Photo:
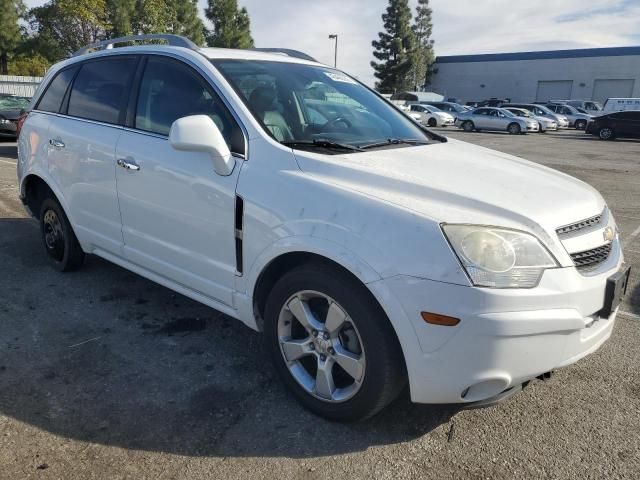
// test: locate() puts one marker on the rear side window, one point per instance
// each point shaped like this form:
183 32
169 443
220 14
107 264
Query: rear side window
52 98
170 90
101 89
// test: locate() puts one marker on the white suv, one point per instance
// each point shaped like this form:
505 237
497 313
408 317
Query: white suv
288 195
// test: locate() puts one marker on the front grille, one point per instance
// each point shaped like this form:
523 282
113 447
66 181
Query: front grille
581 225
591 258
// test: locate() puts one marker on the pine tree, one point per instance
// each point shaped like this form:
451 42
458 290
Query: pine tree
188 22
122 14
231 25
10 13
424 56
395 49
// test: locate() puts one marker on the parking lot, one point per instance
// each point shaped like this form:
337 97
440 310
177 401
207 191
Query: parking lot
104 374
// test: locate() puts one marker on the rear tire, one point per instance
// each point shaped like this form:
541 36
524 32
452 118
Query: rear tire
61 244
468 126
514 129
298 310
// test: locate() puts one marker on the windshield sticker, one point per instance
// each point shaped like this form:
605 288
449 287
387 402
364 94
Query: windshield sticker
339 77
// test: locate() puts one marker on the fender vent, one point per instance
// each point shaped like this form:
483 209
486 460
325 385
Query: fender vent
238 232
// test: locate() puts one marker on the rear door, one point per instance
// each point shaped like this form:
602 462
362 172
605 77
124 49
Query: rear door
82 148
177 213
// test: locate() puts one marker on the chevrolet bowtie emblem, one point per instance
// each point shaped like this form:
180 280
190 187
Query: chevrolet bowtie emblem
608 234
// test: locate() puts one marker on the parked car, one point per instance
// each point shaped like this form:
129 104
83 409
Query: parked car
589 106
576 119
616 125
541 111
284 193
621 104
544 123
498 119
431 116
449 107
10 109
493 102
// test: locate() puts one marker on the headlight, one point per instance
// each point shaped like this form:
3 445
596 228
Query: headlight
498 257
4 120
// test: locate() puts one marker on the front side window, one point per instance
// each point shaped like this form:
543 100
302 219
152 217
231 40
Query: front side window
170 90
51 101
306 106
101 89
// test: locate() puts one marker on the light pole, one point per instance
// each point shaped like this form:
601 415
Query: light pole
335 55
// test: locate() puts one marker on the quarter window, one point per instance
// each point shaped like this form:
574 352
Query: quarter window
170 90
52 98
101 89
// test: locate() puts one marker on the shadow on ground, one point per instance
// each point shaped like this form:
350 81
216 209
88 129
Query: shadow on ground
102 355
8 150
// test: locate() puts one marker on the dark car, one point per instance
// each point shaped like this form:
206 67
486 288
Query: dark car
11 108
494 102
616 125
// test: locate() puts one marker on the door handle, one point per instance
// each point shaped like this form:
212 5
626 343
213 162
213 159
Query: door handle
56 143
128 165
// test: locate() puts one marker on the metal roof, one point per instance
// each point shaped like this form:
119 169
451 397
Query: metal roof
541 55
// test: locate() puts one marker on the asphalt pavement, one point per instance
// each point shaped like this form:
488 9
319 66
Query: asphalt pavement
104 374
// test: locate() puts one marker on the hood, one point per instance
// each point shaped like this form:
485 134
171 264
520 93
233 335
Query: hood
457 182
10 114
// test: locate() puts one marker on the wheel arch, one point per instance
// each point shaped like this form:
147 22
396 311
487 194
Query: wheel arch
34 189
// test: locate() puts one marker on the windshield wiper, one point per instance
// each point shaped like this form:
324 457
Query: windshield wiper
321 144
393 141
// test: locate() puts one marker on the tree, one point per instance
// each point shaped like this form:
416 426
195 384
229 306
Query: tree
67 25
10 12
423 56
32 65
395 49
188 23
122 15
231 26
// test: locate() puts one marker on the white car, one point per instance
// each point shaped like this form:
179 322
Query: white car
431 116
544 123
372 253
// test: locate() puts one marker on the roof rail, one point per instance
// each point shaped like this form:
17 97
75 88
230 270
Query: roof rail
173 40
287 51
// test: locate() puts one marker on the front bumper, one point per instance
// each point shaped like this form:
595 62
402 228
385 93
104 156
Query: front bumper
505 336
8 129
533 127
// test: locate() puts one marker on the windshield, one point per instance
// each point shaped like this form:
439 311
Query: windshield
542 110
432 109
307 106
521 113
14 103
506 112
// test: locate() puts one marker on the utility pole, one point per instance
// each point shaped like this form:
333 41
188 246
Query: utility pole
334 36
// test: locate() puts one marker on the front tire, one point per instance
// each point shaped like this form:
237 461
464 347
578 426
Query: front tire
331 343
468 126
606 133
61 244
514 129
580 124
432 122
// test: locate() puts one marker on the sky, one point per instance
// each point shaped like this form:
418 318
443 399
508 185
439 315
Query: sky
460 26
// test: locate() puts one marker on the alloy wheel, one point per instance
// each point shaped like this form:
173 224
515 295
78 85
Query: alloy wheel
605 133
321 346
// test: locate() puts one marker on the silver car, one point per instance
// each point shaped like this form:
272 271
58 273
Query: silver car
576 119
541 111
491 118
544 123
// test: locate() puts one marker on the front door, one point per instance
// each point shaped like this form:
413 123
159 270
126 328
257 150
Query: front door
177 213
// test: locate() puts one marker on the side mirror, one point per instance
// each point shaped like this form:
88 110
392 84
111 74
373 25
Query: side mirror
199 133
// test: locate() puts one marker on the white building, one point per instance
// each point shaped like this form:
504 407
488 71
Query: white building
585 74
